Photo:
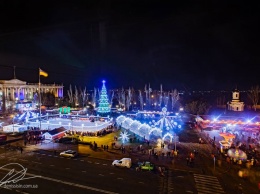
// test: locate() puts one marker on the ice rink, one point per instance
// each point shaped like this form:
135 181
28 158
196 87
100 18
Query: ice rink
75 125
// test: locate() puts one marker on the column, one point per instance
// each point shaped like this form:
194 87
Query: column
57 92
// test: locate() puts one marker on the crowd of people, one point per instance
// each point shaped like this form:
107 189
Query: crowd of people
102 132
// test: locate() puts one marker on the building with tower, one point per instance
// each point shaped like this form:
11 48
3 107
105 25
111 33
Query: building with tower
235 104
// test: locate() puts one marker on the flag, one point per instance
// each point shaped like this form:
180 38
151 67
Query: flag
43 73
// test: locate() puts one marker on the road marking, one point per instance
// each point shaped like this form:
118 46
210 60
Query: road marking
23 160
84 171
101 175
105 164
21 192
65 182
75 159
43 154
49 155
111 173
96 163
37 162
67 168
207 184
141 182
51 165
82 160
89 162
120 178
56 156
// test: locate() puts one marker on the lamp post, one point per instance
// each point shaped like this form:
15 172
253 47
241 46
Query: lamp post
214 160
175 142
13 125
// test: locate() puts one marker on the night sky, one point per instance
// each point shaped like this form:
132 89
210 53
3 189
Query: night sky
194 45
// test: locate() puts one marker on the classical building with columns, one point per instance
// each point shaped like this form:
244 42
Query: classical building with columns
16 91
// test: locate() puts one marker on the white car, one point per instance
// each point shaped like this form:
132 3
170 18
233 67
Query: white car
69 153
124 162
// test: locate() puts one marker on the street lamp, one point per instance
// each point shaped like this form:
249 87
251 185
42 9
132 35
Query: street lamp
13 125
82 127
175 142
214 160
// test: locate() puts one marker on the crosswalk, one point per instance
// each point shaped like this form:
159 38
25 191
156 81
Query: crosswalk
207 184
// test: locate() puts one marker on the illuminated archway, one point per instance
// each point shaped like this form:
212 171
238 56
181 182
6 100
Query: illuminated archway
159 132
166 135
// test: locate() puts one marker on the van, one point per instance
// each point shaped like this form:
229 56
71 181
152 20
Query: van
124 162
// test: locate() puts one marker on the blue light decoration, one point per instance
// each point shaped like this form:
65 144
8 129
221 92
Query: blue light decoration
104 106
124 136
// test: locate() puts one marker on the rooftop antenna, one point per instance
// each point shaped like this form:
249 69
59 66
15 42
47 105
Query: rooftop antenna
14 73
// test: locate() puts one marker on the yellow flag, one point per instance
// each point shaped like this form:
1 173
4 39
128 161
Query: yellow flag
43 73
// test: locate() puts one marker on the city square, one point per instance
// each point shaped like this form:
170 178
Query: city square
123 97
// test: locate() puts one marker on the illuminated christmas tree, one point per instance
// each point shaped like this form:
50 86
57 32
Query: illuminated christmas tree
104 106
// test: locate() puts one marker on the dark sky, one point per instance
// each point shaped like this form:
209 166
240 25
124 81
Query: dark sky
180 44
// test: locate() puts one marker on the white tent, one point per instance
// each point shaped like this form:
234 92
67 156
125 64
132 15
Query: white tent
14 128
26 115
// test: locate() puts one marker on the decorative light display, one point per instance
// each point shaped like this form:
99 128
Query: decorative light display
164 127
124 136
104 106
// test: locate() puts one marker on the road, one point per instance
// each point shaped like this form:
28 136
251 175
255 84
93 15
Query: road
79 175
92 172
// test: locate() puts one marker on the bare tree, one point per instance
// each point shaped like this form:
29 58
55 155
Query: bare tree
197 107
149 95
112 97
175 97
141 100
166 99
253 95
123 101
128 98
83 96
94 98
161 96
70 95
76 96
146 91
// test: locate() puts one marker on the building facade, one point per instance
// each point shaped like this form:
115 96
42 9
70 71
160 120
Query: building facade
15 91
235 104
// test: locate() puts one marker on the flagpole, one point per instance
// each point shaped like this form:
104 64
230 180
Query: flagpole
40 98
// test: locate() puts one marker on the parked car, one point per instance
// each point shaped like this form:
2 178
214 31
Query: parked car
146 166
124 162
69 153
